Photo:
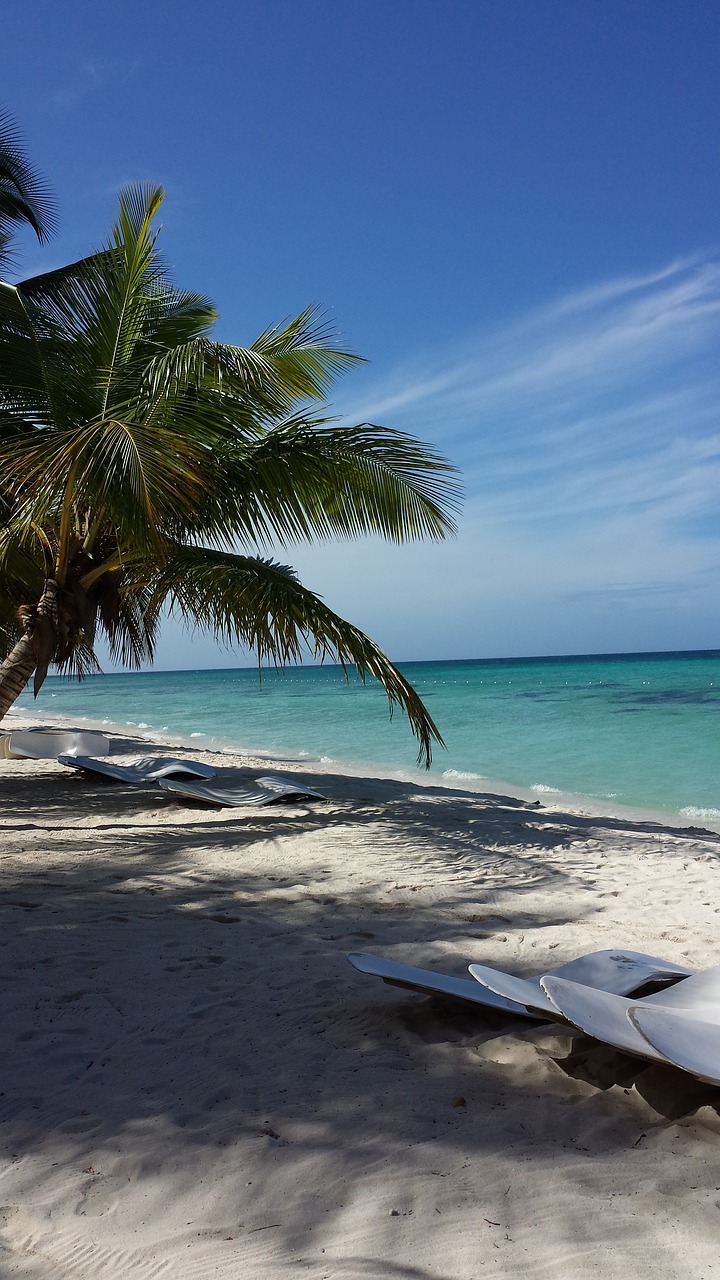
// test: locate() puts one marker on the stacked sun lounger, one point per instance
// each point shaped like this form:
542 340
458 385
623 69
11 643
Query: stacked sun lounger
48 744
638 1003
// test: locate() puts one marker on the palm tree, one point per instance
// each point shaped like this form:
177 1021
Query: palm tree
135 450
23 195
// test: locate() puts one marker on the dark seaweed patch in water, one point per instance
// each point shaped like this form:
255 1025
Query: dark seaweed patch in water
560 694
675 697
546 694
638 698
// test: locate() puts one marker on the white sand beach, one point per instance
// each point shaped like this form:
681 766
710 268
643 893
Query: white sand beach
197 1084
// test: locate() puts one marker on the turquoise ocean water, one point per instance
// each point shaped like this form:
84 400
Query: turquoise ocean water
635 729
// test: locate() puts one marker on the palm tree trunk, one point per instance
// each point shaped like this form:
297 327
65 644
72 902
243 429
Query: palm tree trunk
33 650
15 672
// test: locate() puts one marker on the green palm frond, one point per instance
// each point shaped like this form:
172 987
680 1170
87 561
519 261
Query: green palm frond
261 604
53 293
24 196
126 617
306 477
142 480
282 369
80 663
25 391
22 575
22 564
305 354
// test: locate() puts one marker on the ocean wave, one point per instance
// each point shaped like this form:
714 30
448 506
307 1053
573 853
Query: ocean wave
458 773
540 786
694 811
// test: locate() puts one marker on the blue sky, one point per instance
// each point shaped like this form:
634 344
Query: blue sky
510 208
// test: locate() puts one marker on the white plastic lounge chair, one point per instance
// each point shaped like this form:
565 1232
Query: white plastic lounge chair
688 1039
433 984
619 972
604 1015
48 744
265 790
141 769
282 786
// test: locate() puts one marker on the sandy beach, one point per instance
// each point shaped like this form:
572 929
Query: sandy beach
197 1084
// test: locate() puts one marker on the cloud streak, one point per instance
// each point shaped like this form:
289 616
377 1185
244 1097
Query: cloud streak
605 399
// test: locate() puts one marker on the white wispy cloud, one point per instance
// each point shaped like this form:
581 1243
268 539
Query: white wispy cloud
92 75
606 396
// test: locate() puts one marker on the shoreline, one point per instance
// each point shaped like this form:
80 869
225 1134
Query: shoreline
552 800
593 733
196 1082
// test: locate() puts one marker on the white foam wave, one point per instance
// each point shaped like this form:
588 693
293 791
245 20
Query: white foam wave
458 773
540 786
694 811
